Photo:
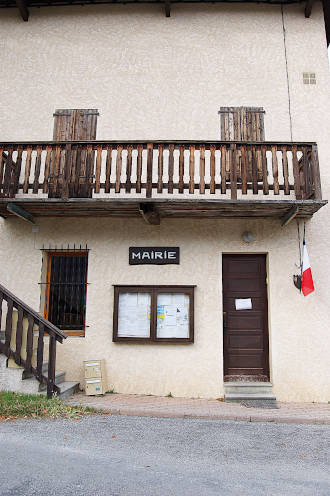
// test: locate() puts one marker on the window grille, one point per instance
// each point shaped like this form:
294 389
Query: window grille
65 302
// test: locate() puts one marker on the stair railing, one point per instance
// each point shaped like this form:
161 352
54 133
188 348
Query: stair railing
17 338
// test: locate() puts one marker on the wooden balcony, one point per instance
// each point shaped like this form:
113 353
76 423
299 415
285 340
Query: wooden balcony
159 179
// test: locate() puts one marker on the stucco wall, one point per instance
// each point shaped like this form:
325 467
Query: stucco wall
158 78
299 336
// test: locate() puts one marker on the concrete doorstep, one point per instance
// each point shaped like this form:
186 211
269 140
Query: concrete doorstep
167 407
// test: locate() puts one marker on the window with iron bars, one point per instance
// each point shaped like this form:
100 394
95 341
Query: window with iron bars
66 287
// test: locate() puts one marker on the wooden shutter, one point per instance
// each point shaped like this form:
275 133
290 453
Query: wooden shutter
75 124
242 123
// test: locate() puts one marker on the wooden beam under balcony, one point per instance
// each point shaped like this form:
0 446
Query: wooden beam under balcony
287 218
166 208
309 7
22 7
149 213
20 212
168 8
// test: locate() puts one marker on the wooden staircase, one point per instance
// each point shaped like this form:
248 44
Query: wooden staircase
28 344
16 379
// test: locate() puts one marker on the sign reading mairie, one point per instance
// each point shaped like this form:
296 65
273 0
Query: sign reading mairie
150 255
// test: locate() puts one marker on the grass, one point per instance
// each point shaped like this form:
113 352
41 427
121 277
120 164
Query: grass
112 391
17 405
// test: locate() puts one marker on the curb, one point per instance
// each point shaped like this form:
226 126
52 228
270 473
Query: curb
235 418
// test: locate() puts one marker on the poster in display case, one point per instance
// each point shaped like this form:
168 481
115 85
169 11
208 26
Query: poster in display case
134 315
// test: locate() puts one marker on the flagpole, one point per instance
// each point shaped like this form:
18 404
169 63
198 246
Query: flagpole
300 255
304 242
307 285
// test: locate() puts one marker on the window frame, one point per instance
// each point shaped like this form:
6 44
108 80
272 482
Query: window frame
153 290
65 253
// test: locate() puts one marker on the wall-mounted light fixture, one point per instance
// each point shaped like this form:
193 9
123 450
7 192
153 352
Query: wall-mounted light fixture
247 237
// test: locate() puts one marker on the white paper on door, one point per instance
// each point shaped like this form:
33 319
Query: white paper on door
243 304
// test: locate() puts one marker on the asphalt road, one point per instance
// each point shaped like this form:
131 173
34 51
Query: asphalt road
117 455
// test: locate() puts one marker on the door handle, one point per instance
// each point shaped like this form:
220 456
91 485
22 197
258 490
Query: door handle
224 320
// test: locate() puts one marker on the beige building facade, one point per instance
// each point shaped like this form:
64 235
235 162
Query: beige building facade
158 78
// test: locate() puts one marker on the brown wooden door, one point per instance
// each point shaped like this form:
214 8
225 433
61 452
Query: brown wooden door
245 331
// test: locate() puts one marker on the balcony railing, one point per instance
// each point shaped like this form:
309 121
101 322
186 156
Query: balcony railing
148 169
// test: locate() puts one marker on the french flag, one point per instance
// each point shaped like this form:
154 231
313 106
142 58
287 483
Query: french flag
307 285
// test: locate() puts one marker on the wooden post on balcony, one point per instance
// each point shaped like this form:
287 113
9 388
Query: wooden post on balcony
223 169
170 168
233 172
54 188
150 148
139 168
98 168
316 174
297 187
128 185
202 169
181 169
7 173
254 170
108 169
37 166
192 169
119 164
160 168
212 169
89 172
47 168
27 169
66 174
18 169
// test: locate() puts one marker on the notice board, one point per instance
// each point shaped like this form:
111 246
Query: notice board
172 315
